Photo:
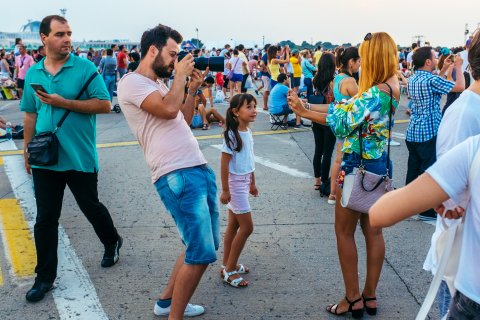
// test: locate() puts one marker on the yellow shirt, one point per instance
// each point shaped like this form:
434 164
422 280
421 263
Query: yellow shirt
274 70
317 55
297 68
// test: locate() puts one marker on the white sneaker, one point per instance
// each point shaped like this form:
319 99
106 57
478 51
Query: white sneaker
191 310
394 143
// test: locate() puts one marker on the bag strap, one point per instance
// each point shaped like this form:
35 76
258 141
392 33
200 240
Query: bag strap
360 130
85 86
437 279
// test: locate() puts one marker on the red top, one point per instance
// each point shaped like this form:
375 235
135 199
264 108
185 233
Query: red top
121 60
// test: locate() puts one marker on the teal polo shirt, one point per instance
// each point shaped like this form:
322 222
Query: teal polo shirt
77 135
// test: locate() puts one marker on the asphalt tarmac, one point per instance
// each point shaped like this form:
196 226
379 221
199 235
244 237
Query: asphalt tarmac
292 254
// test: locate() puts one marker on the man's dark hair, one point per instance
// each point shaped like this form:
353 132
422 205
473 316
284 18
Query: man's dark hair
420 56
196 52
414 45
241 47
227 46
282 77
47 21
120 47
474 56
158 37
113 46
40 48
18 40
109 52
135 56
209 80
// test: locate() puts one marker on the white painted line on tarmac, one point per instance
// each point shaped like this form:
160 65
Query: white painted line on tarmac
276 166
398 135
75 296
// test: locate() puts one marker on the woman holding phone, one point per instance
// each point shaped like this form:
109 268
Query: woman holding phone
369 112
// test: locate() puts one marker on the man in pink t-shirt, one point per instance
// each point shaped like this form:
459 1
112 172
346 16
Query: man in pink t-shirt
23 62
160 120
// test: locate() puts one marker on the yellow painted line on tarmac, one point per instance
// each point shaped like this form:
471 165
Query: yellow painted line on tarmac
134 143
18 238
1 161
402 121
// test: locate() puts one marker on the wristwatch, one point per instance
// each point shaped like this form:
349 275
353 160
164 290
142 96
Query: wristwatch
194 94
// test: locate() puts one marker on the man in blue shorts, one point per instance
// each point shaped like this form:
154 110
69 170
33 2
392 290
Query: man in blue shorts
160 119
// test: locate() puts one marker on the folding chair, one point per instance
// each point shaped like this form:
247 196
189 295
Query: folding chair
278 122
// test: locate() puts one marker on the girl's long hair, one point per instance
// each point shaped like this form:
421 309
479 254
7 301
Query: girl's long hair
231 134
379 61
272 53
326 72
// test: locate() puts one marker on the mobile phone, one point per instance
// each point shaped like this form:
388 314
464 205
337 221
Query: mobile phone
452 57
38 87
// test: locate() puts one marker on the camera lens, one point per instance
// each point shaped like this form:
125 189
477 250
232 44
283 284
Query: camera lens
216 64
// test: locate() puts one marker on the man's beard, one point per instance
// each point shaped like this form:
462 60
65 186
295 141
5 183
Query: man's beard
160 69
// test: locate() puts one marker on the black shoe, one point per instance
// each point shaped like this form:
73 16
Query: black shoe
111 255
38 291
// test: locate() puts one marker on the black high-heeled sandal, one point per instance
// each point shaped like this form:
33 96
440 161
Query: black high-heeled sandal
357 314
370 311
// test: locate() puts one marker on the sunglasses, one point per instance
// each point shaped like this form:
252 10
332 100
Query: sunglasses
368 37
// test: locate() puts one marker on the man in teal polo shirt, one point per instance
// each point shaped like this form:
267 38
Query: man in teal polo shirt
62 76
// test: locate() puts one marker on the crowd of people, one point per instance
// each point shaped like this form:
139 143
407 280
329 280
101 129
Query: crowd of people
351 96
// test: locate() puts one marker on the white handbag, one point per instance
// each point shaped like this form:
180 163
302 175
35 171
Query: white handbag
448 249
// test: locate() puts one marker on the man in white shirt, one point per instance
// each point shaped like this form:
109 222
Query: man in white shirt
160 120
461 121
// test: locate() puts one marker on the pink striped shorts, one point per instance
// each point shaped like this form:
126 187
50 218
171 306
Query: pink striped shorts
239 191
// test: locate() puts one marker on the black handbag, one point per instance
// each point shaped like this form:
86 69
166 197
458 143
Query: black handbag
43 148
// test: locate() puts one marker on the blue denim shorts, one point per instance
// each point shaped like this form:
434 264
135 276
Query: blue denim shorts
190 195
377 166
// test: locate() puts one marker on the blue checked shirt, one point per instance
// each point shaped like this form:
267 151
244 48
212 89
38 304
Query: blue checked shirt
426 90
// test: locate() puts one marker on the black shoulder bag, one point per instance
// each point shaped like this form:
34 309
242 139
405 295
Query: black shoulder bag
43 149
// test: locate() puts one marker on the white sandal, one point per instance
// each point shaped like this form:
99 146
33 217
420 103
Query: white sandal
241 269
235 282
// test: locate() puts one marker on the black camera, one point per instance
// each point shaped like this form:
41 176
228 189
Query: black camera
215 64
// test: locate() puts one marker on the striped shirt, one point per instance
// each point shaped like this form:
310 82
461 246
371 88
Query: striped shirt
426 90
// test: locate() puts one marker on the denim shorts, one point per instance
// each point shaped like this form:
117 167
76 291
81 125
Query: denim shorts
377 166
190 195
463 308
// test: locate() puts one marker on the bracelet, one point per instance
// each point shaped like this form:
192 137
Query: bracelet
308 106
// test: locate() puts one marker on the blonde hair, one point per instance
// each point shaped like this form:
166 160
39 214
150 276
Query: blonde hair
379 57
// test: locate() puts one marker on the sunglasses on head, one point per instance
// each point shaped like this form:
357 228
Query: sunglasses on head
368 37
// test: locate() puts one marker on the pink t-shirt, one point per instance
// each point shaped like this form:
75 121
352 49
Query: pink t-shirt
168 145
23 63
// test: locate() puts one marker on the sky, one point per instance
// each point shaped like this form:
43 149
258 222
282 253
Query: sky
259 21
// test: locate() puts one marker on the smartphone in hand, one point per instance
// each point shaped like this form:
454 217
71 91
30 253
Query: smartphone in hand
38 87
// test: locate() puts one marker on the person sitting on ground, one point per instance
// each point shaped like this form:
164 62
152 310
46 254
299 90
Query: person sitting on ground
204 116
277 100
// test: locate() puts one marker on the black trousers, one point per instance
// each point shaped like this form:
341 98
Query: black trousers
421 155
324 144
49 189
244 82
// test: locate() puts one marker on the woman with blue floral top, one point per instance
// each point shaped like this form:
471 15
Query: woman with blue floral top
369 112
